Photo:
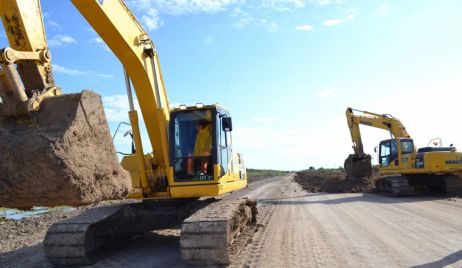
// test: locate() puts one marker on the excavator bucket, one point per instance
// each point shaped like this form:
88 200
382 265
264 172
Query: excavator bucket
358 167
61 155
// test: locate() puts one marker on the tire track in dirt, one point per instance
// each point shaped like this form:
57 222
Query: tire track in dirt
355 230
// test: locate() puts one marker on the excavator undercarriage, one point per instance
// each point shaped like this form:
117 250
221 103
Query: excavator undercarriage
208 229
403 185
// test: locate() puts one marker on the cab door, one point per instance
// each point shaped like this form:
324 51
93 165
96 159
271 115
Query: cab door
223 150
388 155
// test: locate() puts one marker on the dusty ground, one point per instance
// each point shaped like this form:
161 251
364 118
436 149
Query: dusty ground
301 229
315 181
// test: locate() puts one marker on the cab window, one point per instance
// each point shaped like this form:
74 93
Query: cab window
385 152
192 151
407 147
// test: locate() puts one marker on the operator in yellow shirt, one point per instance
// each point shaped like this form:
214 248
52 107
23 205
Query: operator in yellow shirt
203 145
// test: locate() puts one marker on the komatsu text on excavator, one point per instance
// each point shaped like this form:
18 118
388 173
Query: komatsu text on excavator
192 155
435 169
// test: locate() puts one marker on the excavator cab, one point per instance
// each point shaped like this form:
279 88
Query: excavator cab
200 142
388 152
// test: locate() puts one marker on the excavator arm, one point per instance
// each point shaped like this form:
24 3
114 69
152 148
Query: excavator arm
358 165
382 121
26 76
25 67
127 39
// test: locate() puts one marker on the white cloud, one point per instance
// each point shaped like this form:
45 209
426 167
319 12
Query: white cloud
182 7
53 25
74 72
283 5
326 2
243 18
152 10
100 42
116 108
304 27
61 40
383 10
243 22
151 19
333 22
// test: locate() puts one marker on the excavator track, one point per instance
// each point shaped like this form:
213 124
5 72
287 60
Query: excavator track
93 235
209 228
84 239
208 236
394 185
453 184
449 184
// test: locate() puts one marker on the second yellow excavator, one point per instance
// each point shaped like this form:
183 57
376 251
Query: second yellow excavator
407 169
192 154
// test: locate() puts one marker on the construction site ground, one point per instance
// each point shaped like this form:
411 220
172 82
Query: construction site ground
297 229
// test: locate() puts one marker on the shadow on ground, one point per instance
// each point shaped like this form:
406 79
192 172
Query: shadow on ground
448 260
147 250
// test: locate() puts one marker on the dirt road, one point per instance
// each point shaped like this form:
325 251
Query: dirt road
314 230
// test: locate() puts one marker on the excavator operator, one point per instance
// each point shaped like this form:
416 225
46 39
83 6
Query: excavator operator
203 148
203 145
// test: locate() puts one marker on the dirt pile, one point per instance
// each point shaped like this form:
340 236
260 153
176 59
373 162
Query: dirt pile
61 155
334 182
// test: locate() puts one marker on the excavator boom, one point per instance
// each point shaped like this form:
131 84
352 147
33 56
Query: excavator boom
358 165
382 121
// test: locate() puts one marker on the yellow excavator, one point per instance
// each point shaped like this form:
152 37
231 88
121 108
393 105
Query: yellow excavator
184 166
408 169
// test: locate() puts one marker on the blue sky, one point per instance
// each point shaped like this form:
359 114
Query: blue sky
286 69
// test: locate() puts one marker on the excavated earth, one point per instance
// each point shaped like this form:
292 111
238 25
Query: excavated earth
62 155
329 181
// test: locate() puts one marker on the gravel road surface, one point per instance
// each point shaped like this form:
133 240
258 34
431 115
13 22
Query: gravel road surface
300 229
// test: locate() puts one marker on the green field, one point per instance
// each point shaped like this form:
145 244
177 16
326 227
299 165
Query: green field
253 174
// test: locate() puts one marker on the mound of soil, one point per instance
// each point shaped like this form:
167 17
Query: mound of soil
334 182
62 155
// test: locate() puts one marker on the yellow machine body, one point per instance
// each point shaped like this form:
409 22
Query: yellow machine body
430 160
399 155
156 174
153 174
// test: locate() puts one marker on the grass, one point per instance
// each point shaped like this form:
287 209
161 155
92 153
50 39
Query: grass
264 173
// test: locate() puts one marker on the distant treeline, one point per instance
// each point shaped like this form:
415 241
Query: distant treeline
338 169
264 173
375 168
